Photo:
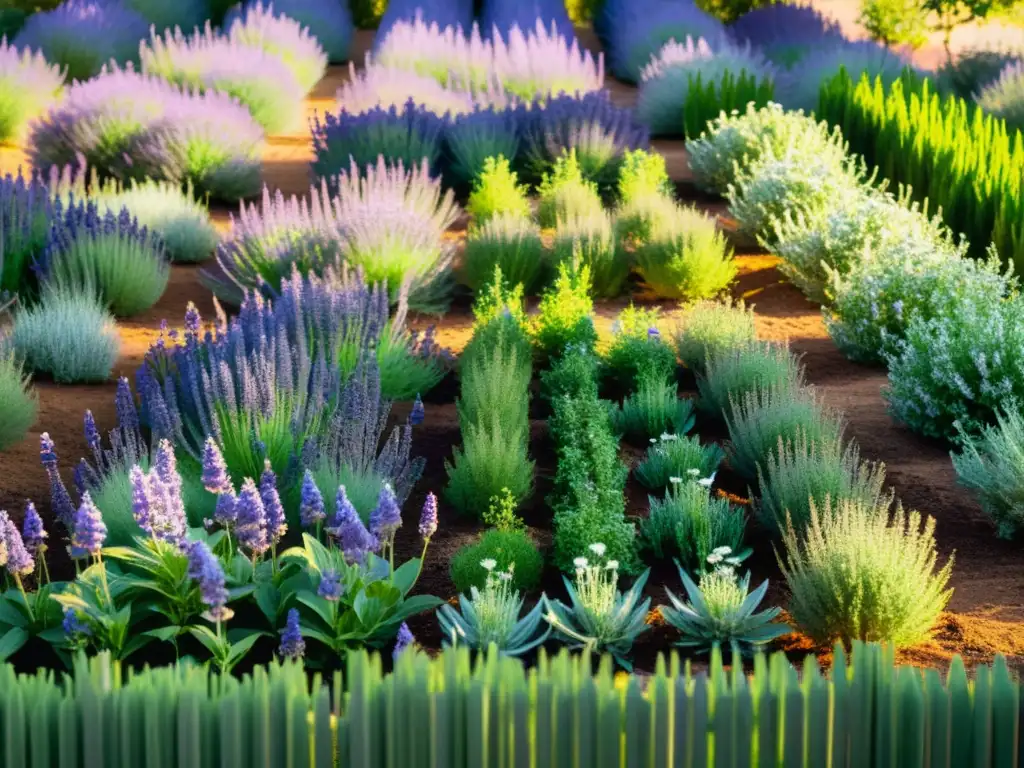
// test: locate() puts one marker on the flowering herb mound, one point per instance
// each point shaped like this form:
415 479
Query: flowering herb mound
125 265
25 211
442 14
28 85
82 36
204 61
785 32
329 21
132 126
1004 97
378 86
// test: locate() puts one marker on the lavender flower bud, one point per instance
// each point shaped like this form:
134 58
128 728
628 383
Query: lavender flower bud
428 517
73 626
346 526
141 507
276 525
330 585
192 320
204 568
418 412
19 561
92 435
403 642
89 531
311 508
386 517
215 469
32 531
251 527
292 644
653 333
60 499
226 512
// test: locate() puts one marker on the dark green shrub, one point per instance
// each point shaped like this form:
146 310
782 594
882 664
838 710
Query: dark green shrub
505 548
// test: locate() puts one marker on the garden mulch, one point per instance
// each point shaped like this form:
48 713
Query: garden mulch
985 615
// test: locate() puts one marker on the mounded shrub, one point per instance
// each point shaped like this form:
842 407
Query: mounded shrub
471 138
731 372
1004 97
642 174
492 457
565 316
509 241
677 457
990 465
689 524
972 69
497 191
708 329
654 409
376 87
28 86
590 240
785 32
19 403
506 548
637 349
565 193
329 21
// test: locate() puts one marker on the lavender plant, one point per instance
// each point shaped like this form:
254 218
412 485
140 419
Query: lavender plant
81 36
24 223
636 349
385 87
204 61
537 59
784 32
691 524
441 49
270 30
439 14
509 242
506 18
470 139
674 457
19 403
329 21
28 86
1004 97
709 328
123 264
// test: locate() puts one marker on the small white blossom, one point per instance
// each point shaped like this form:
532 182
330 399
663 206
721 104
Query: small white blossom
612 565
598 549
489 563
714 559
723 551
707 481
675 480
693 472
580 562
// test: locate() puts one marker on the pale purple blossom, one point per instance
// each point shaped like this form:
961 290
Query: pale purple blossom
204 568
251 526
19 560
32 531
330 586
276 525
403 642
428 517
292 645
89 531
311 507
215 470
386 518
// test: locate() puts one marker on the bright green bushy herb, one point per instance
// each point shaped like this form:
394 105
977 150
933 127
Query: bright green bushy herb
735 142
403 373
642 174
637 219
711 93
501 514
799 472
686 257
720 612
509 241
711 328
731 373
760 418
992 465
499 297
589 239
654 409
492 457
574 374
565 313
960 368
495 384
500 332
67 335
875 302
508 549
673 457
637 348
690 523
857 574
19 403
565 192
598 616
497 190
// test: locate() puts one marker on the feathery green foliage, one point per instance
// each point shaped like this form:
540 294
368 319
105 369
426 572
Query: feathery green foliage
677 457
508 549
18 401
509 241
654 409
493 456
637 349
710 328
565 314
689 523
642 174
565 192
732 372
497 190
589 239
992 465
707 98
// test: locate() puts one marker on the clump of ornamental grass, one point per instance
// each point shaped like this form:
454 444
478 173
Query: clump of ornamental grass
566 193
677 457
329 22
68 335
589 240
600 132
565 315
858 573
686 257
801 471
28 86
19 403
687 84
637 219
407 133
472 138
376 87
269 29
25 212
110 254
205 61
82 36
689 524
512 550
497 191
509 241
637 349
734 371
167 14
598 617
392 223
875 302
990 465
733 143
653 409
411 363
759 419
642 174
710 328
131 126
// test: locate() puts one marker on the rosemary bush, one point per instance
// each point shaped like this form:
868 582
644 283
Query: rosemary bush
730 374
992 466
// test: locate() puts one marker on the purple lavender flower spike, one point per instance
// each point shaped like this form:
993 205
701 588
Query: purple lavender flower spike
226 512
32 531
251 526
60 500
141 502
311 508
192 320
503 17
403 642
347 527
19 559
653 333
330 586
73 626
89 531
386 517
292 644
377 87
215 469
276 525
166 469
428 517
204 568
418 412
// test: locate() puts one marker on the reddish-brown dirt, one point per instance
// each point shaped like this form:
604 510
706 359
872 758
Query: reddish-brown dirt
986 613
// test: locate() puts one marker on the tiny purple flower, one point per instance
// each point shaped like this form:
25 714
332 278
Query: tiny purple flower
403 642
204 568
292 644
428 517
276 525
32 531
141 507
73 626
311 508
89 531
60 499
192 320
418 412
653 333
92 435
19 561
330 586
386 517
215 469
251 527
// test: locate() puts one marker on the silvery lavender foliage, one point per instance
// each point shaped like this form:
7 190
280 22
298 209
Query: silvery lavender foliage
329 21
292 644
440 13
204 568
785 32
504 17
19 560
599 131
60 499
799 87
82 36
408 134
471 138
632 31
28 85
88 531
205 61
436 50
380 86
24 223
126 125
540 59
1004 97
